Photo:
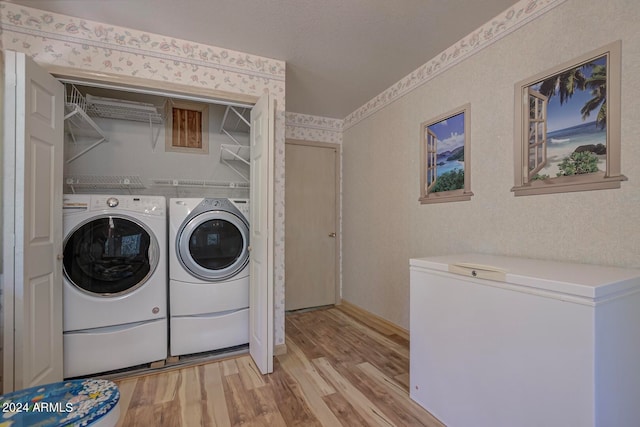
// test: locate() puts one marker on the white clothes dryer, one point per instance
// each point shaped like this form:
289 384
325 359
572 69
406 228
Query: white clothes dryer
209 274
115 282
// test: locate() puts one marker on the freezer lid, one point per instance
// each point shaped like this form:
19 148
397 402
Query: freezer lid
582 280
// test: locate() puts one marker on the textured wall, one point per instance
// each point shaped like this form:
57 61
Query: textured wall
385 226
55 40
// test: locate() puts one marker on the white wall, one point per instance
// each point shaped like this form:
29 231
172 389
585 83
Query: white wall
129 151
384 224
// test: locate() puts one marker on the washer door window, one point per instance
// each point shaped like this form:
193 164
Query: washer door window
214 245
110 255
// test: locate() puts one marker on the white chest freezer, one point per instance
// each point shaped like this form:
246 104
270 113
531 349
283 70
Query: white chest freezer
512 342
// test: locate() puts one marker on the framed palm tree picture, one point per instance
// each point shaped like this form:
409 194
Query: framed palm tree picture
567 126
444 158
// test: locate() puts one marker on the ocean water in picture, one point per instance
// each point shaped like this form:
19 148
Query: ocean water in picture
445 166
575 103
449 147
561 143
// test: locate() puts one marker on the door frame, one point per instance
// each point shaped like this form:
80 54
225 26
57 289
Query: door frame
338 203
6 235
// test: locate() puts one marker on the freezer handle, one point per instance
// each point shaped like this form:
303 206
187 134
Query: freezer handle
478 271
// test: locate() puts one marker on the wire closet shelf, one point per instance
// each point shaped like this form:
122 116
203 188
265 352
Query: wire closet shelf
80 111
95 182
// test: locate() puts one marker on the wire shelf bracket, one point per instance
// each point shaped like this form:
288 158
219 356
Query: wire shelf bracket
76 116
236 155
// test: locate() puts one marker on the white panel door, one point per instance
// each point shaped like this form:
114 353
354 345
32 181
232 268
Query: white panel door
32 209
261 240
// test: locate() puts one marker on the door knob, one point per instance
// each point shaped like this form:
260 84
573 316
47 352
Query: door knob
332 234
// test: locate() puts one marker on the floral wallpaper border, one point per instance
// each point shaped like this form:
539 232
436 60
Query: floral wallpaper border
313 128
513 18
37 23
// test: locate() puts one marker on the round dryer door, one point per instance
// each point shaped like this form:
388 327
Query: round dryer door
214 245
110 255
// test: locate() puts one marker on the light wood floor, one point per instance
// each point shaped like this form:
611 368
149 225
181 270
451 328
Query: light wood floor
337 372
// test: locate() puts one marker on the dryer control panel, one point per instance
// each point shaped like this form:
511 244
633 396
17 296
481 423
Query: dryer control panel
242 205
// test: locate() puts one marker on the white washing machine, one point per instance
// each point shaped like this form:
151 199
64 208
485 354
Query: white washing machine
209 274
115 282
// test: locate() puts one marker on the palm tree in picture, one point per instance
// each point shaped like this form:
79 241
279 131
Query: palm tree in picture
597 82
564 84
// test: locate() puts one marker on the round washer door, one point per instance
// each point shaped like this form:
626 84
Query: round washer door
214 245
110 255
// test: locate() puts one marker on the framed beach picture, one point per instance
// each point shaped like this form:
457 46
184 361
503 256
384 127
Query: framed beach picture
567 126
445 174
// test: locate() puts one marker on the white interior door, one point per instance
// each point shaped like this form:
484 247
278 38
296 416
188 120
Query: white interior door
261 234
32 222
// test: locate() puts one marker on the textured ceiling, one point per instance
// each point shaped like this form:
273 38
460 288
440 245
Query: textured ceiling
339 53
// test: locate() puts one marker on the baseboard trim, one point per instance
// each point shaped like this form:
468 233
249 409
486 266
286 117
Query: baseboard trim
280 349
381 325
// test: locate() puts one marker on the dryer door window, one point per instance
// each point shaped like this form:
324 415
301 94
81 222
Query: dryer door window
214 246
110 255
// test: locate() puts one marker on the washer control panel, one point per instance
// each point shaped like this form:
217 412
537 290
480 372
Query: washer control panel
150 205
